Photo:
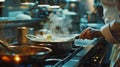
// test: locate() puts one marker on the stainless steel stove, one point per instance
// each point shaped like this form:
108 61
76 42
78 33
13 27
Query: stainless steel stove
79 52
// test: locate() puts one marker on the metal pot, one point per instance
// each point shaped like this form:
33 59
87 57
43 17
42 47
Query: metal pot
25 54
57 46
63 43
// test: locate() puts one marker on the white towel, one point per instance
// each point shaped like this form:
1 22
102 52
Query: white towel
115 54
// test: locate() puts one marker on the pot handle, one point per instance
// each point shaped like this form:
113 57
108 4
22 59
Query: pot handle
46 45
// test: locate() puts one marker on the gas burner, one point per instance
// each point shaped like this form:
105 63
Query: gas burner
50 61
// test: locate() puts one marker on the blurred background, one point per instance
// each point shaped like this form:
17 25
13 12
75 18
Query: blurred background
58 16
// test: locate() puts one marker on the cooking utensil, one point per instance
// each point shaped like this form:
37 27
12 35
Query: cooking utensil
57 47
25 54
65 43
5 45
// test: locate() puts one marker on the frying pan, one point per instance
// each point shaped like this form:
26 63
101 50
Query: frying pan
24 54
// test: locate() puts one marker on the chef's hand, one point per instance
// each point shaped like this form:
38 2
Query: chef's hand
90 33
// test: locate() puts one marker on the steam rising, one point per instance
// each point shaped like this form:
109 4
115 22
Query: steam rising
59 22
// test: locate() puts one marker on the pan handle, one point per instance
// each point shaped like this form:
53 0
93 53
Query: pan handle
5 45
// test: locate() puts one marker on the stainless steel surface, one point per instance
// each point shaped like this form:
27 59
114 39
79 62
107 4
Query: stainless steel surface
62 43
73 62
57 46
76 59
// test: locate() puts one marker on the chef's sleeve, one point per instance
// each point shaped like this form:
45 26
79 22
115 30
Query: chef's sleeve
111 32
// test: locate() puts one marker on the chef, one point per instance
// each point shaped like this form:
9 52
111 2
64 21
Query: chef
110 31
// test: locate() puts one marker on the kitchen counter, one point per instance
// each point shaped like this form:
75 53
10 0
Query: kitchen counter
87 44
90 55
85 57
96 56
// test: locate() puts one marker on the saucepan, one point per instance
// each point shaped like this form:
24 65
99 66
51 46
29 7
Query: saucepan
24 54
58 47
61 43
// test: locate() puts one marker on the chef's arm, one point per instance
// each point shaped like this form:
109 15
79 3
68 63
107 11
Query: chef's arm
111 32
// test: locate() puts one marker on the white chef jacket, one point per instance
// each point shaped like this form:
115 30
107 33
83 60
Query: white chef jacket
111 30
